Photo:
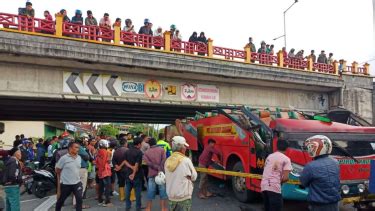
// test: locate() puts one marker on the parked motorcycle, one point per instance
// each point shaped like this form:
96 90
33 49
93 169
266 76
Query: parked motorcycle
28 176
44 180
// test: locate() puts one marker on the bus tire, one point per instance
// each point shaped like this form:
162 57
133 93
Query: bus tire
239 186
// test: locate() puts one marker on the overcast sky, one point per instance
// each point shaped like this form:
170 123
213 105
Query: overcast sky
343 27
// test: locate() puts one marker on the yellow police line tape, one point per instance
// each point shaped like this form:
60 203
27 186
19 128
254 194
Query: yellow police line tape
239 174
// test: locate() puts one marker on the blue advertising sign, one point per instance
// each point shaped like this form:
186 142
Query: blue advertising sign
131 87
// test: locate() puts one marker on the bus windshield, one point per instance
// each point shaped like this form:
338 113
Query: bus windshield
354 144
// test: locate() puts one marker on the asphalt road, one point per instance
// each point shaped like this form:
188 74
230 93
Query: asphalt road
223 202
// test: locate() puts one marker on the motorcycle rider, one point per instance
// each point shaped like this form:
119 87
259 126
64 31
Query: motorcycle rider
63 150
322 175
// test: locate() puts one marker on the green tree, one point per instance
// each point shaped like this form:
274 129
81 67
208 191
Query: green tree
108 130
137 128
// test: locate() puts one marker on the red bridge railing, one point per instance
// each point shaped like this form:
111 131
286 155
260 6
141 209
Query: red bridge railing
87 32
24 23
189 47
263 58
99 34
228 53
141 40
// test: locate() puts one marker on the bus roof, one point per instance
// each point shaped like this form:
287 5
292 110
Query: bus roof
294 125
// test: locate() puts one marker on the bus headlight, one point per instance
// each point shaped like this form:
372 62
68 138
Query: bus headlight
345 189
297 170
361 188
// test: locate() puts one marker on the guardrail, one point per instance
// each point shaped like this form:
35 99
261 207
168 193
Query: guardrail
167 44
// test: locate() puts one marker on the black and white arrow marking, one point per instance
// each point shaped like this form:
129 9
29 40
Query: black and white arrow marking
71 82
91 84
110 84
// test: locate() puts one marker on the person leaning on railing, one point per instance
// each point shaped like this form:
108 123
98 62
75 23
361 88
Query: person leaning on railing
27 11
146 29
105 23
117 23
312 56
129 28
322 58
177 37
299 56
158 33
202 39
90 20
291 57
262 50
66 19
78 20
330 59
193 39
47 15
172 29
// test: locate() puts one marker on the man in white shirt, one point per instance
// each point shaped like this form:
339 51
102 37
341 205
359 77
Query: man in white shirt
179 175
105 22
68 179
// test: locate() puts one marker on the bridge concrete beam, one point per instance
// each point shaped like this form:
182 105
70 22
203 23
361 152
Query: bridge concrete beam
32 66
152 62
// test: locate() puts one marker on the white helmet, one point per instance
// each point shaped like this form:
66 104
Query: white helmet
318 145
103 143
84 135
160 178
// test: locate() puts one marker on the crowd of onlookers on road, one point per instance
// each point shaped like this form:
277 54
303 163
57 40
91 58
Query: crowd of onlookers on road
137 162
142 163
147 29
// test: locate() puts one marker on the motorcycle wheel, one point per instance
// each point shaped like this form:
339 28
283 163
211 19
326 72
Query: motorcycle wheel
38 191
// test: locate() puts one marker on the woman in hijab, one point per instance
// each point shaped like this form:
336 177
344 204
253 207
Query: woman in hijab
202 39
192 40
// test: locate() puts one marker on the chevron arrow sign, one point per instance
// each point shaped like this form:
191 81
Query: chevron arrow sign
92 84
111 85
72 83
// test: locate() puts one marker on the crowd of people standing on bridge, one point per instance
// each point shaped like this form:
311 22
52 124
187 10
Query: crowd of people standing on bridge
107 23
268 49
147 29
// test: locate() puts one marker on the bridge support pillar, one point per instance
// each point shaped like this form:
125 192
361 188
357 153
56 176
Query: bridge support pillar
210 48
335 67
117 35
355 67
310 64
280 60
59 24
167 41
247 54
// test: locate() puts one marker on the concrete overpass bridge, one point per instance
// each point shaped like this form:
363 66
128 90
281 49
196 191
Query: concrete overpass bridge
57 77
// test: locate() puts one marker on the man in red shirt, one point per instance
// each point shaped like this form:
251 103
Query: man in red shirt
205 160
104 173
